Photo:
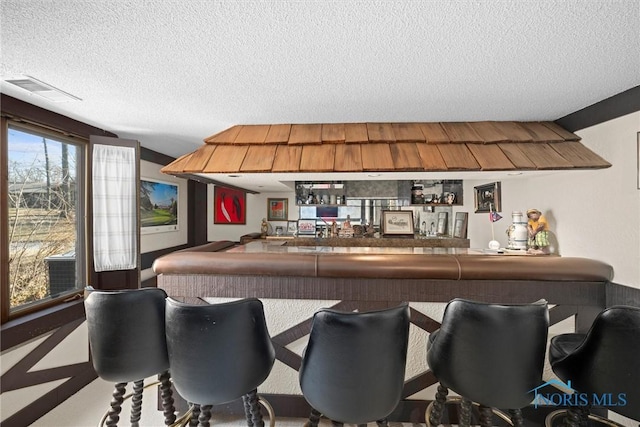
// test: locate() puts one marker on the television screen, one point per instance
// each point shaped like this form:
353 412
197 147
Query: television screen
327 211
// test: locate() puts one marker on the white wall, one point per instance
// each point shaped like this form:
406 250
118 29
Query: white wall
593 214
256 210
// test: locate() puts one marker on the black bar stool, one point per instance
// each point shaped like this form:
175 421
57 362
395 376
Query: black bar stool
353 366
127 342
219 353
603 364
490 354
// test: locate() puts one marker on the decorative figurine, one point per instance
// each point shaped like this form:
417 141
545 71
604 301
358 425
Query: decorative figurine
264 228
538 228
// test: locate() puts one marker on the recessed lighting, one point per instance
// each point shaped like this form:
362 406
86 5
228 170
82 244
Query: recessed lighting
374 175
514 173
234 176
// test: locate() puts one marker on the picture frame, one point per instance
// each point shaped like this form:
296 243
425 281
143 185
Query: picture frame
277 209
397 223
307 227
229 206
441 228
488 197
460 225
292 227
158 206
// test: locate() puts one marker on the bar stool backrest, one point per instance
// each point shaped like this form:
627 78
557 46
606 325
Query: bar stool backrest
126 333
492 354
354 364
218 352
608 360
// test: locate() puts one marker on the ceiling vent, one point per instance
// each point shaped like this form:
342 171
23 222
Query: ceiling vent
42 89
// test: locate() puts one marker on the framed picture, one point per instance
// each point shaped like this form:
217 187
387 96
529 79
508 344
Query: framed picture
488 198
397 223
441 229
292 227
307 226
158 206
277 209
229 206
460 225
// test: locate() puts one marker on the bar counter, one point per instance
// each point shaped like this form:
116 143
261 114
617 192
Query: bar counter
295 281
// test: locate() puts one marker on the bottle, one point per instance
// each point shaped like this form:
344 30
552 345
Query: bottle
517 231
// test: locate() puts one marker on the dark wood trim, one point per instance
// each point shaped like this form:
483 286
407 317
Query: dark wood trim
5 305
25 328
155 157
619 105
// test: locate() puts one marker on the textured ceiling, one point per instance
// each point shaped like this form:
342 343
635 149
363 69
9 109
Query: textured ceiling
171 73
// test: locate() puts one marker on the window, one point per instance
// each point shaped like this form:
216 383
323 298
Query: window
46 210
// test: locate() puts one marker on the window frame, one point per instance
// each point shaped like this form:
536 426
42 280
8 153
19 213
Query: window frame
81 227
82 144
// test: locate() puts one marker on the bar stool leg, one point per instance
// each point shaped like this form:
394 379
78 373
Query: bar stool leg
383 422
205 415
336 424
465 413
166 394
247 410
486 416
314 418
136 403
254 408
195 414
516 417
116 405
438 405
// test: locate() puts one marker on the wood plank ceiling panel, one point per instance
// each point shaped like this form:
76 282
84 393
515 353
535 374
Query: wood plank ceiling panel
516 156
252 134
376 157
227 136
333 133
199 158
434 133
287 158
540 132
278 134
568 136
407 132
515 132
406 156
348 158
431 158
458 157
305 134
488 132
490 157
579 155
318 158
380 132
355 133
543 156
177 166
226 159
461 132
259 158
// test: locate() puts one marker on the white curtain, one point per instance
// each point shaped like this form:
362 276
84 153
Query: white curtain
114 207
